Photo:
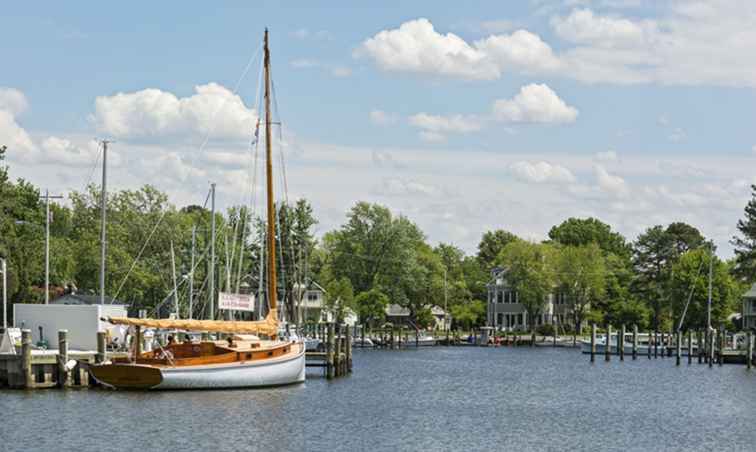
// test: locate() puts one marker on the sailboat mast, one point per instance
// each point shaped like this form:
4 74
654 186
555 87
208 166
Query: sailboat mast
272 291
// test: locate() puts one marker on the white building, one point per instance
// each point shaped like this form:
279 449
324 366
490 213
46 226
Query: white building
504 311
749 309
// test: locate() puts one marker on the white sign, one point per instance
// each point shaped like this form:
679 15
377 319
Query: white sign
236 302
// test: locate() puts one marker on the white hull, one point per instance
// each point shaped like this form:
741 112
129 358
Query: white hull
273 372
423 342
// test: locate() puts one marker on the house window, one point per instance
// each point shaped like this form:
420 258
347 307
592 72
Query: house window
499 297
499 318
312 296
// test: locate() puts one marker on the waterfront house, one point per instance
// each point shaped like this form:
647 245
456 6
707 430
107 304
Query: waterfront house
749 309
398 315
504 311
312 306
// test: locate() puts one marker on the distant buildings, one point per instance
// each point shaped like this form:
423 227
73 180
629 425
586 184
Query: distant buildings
749 309
397 315
504 311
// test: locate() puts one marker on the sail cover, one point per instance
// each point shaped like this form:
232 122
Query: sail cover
267 326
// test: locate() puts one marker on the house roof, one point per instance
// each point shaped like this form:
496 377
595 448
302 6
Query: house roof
81 299
751 293
394 310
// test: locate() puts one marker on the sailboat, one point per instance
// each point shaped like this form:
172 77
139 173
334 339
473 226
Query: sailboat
243 360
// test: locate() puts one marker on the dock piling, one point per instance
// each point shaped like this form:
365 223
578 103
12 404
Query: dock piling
593 342
678 348
608 346
26 352
621 343
101 346
749 350
329 350
63 374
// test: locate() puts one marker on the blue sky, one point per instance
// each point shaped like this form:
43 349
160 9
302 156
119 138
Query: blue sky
510 114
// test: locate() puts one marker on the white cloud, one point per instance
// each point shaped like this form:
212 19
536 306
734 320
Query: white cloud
385 159
521 50
381 118
12 101
583 26
416 47
607 156
753 149
541 172
153 113
687 43
301 63
534 103
609 182
64 152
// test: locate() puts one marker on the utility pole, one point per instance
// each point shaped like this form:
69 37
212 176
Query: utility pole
47 244
212 251
4 269
103 208
191 273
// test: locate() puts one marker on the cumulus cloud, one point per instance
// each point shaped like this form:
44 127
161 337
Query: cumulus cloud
688 43
153 113
583 26
417 47
534 103
541 172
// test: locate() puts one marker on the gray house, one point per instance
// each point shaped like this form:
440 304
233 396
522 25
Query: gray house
506 312
749 309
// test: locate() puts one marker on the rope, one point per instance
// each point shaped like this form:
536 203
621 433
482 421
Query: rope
144 246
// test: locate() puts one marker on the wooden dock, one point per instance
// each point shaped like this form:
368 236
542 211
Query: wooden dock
336 360
33 369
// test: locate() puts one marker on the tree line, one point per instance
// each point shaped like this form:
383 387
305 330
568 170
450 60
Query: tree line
375 258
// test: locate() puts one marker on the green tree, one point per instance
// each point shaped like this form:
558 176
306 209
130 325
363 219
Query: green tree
654 254
490 246
582 231
371 306
690 278
339 297
529 271
470 314
581 273
745 244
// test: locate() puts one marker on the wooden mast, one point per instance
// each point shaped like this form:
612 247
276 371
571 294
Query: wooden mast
272 291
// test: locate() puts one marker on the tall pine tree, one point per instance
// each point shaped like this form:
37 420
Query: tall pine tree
745 246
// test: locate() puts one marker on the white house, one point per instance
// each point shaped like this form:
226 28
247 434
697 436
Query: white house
504 311
749 309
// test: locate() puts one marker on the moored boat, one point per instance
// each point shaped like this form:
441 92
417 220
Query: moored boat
240 361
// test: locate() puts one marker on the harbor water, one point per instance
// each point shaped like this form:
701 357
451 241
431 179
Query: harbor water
434 398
